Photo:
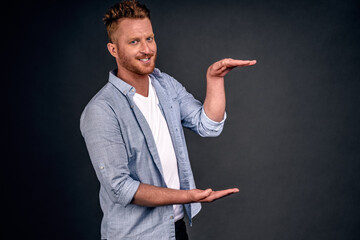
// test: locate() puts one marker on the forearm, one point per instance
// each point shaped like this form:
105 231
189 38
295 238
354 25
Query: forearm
214 104
215 101
152 196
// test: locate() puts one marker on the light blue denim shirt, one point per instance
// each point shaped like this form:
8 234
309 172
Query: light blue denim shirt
123 153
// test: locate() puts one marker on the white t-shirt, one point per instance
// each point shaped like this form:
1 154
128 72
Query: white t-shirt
149 107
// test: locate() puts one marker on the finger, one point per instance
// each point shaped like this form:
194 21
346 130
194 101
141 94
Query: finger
224 193
227 63
230 190
239 63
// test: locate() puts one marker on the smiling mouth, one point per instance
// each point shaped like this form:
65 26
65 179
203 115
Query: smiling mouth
144 59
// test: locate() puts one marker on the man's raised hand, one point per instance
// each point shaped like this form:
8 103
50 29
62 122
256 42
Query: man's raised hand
220 68
208 195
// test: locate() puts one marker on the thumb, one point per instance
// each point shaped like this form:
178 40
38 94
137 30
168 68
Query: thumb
206 193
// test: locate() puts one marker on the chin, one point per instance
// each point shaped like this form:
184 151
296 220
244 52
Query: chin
146 70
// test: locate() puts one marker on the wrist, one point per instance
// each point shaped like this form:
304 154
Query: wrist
214 79
187 196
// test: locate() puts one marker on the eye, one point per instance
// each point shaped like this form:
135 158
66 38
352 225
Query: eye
150 39
133 42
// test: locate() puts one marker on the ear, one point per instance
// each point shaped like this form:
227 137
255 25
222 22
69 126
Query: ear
112 49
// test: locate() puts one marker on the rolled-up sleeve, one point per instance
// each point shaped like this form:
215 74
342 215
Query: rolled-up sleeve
193 115
102 135
211 126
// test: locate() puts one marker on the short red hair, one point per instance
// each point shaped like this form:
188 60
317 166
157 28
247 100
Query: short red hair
124 9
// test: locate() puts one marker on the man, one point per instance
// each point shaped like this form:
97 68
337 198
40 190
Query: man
133 131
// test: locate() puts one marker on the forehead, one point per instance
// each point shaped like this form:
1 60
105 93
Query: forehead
134 27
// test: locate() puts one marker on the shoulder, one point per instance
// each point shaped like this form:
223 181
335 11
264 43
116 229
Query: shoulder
104 96
164 79
105 101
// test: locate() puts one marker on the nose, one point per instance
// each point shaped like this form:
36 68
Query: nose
145 48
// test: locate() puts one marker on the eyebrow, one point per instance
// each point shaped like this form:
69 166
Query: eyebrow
138 38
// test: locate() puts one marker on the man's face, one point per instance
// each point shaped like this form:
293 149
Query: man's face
136 47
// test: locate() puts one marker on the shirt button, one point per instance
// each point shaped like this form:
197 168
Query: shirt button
101 167
133 90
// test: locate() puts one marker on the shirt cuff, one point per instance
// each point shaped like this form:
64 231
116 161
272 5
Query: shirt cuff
211 123
129 192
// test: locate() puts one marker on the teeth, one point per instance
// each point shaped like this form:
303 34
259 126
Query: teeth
144 59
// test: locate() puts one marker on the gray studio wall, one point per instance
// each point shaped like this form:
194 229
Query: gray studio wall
290 142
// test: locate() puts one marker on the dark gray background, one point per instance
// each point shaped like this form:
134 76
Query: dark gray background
290 143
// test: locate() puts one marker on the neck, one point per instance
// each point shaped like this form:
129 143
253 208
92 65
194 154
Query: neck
139 82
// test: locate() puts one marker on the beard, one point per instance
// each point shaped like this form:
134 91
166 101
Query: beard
134 65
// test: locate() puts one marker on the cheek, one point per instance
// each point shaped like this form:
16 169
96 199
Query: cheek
126 53
154 47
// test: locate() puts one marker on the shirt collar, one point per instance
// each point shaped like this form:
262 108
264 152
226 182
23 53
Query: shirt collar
124 87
